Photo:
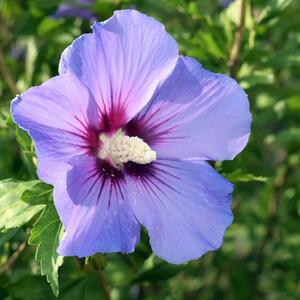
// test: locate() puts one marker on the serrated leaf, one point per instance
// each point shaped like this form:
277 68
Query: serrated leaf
15 212
45 235
238 176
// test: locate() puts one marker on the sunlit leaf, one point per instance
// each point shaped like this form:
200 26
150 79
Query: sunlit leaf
13 211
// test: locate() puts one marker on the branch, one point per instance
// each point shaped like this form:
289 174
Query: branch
7 76
103 285
13 258
235 51
273 206
5 72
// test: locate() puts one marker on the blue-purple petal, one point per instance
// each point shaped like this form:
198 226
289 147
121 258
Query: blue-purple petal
60 116
94 210
122 62
186 207
196 114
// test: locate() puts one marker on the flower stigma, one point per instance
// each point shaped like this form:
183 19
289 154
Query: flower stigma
120 148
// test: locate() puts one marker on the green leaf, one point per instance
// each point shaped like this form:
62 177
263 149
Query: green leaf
3 119
289 136
45 235
30 287
41 193
86 288
238 176
26 145
13 211
6 236
48 25
19 202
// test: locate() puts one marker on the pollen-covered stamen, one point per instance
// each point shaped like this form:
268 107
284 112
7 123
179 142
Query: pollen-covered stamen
121 148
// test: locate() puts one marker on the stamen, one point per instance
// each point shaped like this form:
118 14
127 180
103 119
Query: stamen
121 148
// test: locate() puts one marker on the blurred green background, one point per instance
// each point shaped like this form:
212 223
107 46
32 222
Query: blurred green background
258 43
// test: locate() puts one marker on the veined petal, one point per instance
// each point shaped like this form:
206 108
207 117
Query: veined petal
226 106
122 62
60 116
185 205
196 114
94 209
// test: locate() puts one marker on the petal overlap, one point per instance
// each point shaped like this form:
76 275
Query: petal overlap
196 114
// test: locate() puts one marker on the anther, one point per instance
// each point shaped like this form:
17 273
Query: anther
120 149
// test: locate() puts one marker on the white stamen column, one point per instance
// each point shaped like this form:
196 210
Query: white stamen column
121 148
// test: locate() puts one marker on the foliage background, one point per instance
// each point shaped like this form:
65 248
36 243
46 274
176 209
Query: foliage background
260 257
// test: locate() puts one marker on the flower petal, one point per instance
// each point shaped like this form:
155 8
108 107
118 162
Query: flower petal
94 210
186 207
200 115
122 62
60 116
